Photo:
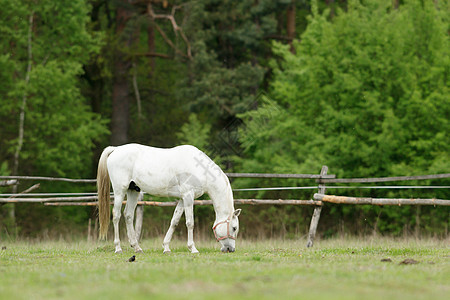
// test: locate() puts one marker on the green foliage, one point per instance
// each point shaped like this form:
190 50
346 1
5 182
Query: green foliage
52 38
59 128
195 133
362 94
229 58
366 94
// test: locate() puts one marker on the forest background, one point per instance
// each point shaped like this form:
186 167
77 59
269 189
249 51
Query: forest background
261 86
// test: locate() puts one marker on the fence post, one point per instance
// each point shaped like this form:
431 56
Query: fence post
139 217
316 215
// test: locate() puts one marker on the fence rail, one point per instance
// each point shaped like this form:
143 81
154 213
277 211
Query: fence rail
379 201
285 176
200 202
8 182
384 179
234 175
319 199
43 178
50 199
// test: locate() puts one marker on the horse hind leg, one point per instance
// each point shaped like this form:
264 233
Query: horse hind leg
118 198
173 224
132 197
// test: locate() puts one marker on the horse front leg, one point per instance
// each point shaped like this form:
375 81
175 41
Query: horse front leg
179 209
188 201
118 198
132 197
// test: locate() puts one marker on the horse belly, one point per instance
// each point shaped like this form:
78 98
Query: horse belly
171 188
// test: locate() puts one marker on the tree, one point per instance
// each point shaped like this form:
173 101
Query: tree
366 94
121 83
47 125
59 127
369 86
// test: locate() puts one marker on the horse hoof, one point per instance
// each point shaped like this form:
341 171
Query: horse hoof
195 251
118 251
167 252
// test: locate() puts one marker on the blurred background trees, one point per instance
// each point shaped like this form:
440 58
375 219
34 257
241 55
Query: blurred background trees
261 86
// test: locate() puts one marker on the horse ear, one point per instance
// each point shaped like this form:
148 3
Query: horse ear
237 212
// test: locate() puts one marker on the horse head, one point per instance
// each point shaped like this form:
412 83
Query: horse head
226 232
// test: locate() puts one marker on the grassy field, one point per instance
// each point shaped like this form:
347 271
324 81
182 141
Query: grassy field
333 269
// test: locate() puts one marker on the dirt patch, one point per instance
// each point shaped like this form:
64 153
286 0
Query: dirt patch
408 261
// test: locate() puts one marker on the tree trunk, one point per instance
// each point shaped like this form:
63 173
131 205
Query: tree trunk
24 102
395 3
330 4
15 171
290 24
121 85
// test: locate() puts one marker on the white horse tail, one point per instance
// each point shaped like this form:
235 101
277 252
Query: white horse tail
103 189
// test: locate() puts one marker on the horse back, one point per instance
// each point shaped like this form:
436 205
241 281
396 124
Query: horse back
158 170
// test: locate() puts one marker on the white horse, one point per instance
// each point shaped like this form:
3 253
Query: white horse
183 172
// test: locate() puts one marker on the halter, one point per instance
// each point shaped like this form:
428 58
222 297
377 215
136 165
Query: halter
228 236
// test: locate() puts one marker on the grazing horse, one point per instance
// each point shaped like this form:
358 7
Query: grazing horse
184 172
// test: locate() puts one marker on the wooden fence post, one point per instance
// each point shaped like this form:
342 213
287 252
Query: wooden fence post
316 215
139 217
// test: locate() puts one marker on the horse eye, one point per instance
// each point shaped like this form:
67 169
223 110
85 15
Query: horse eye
234 228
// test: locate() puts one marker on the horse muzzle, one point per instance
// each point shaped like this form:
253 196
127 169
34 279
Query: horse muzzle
226 249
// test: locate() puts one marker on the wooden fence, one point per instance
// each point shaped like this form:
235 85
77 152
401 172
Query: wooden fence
319 199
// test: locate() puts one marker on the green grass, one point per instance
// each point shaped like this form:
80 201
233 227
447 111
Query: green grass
337 269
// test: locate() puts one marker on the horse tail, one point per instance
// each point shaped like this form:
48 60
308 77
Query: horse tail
103 190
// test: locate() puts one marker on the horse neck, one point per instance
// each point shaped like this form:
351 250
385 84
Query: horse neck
222 197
